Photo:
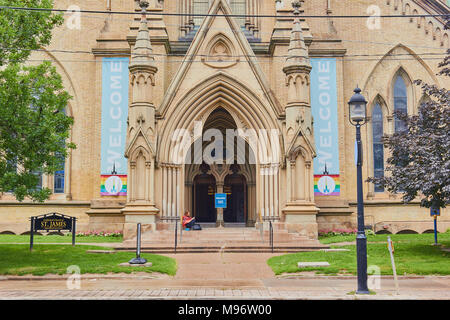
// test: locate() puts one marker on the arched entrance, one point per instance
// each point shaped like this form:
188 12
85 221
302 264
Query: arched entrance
220 101
221 168
204 188
235 186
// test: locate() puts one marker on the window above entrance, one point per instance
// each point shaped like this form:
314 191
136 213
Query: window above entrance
189 25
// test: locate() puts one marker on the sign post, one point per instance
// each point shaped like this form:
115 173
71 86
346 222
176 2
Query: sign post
73 231
391 252
31 233
52 222
435 212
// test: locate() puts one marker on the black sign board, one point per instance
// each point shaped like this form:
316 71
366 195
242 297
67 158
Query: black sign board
52 222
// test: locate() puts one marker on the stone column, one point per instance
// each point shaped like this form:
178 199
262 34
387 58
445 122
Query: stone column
260 190
276 178
169 191
178 192
133 180
271 193
310 186
188 197
292 179
219 221
152 182
251 203
148 168
164 189
266 192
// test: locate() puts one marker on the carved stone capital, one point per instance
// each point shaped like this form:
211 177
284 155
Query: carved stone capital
292 163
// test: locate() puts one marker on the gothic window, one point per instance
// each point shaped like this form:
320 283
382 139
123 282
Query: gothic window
202 7
189 24
39 184
377 137
11 164
199 7
239 7
400 101
59 177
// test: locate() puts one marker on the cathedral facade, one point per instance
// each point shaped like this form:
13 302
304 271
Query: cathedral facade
181 102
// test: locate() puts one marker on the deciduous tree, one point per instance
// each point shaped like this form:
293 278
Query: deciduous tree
419 162
34 128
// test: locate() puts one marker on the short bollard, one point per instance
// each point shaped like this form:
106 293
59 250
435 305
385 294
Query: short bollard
394 271
138 259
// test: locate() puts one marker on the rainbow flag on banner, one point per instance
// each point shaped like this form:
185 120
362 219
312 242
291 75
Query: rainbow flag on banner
114 185
327 185
113 164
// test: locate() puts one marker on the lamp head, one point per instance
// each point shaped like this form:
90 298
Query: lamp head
357 108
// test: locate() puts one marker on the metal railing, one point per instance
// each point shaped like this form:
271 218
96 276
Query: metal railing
271 237
177 220
271 234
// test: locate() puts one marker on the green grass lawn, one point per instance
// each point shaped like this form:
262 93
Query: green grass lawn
16 259
11 238
383 237
414 254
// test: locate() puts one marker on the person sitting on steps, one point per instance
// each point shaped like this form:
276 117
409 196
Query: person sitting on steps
188 221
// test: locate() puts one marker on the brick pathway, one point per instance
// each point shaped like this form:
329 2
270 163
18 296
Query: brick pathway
219 294
216 276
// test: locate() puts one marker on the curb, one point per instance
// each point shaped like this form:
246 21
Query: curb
234 298
163 276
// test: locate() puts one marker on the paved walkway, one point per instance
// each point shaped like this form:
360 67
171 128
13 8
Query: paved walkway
217 276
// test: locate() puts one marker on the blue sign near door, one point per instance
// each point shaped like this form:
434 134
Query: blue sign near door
220 200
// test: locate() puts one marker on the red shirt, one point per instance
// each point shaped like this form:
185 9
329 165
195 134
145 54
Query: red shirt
186 220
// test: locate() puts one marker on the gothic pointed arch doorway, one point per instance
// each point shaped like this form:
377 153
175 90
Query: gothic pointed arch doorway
235 186
221 167
204 188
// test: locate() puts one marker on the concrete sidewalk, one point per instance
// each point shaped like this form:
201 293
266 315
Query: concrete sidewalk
218 276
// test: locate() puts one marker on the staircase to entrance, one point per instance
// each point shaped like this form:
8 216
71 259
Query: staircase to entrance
221 239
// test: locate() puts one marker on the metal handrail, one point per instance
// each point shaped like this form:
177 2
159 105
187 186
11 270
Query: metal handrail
271 234
177 220
271 219
176 236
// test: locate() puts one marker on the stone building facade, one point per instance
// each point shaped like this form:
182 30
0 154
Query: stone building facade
271 86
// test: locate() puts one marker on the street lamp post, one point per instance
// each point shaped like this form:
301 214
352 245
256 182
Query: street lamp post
358 117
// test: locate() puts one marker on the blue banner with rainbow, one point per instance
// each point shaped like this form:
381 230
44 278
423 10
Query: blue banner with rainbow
324 106
114 126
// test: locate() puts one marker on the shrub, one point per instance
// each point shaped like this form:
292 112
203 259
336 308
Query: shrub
94 233
336 232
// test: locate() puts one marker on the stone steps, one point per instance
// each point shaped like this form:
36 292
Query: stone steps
221 243
234 247
222 240
223 234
